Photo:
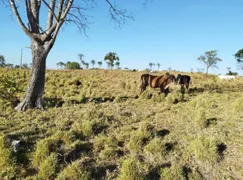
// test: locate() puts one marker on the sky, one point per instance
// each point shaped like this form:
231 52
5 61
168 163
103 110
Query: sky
173 33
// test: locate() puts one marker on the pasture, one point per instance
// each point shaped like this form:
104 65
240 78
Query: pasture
97 126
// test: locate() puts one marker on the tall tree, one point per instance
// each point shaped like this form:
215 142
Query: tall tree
111 57
81 56
99 63
210 59
239 58
43 39
93 63
2 61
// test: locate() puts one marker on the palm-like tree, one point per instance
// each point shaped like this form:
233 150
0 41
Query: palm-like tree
117 64
111 57
151 66
81 56
87 65
99 63
93 63
158 65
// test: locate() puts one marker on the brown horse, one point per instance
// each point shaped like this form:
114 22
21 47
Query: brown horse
163 82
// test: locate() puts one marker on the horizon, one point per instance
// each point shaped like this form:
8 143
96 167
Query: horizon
172 33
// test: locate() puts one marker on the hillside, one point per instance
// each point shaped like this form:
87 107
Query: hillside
97 126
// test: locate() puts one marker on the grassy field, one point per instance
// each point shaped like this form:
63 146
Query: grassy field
97 126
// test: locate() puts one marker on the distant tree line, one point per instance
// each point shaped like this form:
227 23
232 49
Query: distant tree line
9 65
110 58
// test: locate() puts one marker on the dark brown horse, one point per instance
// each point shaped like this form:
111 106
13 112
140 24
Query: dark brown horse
163 82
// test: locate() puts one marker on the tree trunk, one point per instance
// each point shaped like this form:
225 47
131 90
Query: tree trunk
35 90
207 71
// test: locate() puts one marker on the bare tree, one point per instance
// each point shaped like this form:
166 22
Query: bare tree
43 39
210 59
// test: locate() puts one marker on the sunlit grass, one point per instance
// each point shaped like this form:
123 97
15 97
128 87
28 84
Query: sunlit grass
97 126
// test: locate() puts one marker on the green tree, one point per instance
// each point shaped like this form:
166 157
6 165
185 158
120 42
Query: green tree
93 63
117 65
57 13
239 58
72 65
99 63
111 57
60 64
210 59
2 61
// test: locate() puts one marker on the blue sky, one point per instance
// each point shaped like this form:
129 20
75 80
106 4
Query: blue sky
170 32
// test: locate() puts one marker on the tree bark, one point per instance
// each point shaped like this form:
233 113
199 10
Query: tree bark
35 90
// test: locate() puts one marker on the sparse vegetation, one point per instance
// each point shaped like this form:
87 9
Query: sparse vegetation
99 127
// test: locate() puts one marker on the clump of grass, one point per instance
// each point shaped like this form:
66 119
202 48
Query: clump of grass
172 172
155 147
139 138
86 127
122 85
158 97
74 171
43 150
201 119
48 167
131 169
7 162
174 98
205 149
118 99
237 105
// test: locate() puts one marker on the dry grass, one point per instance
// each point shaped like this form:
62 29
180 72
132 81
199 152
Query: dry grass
97 126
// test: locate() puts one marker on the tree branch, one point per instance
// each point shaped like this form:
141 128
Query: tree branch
15 10
118 16
51 13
